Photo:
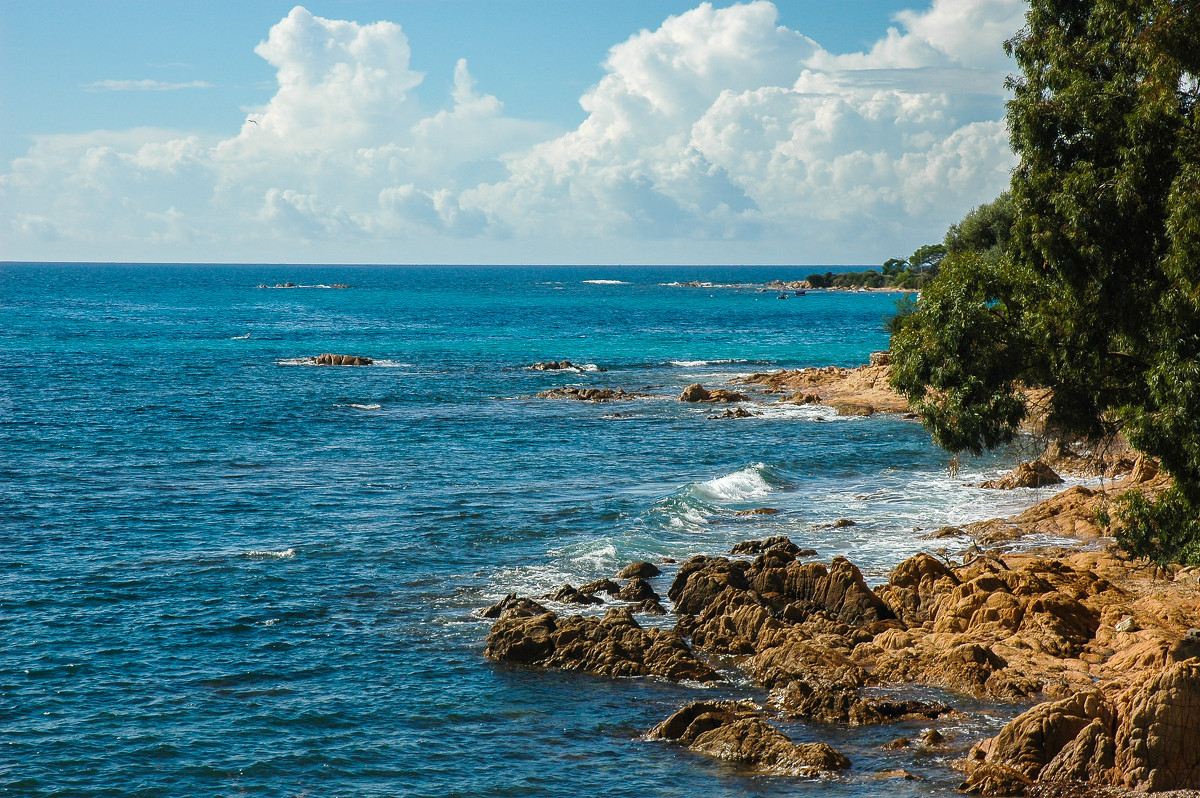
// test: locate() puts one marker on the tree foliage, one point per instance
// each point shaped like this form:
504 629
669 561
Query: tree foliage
1086 277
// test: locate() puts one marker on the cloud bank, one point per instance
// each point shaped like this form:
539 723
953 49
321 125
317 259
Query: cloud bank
719 137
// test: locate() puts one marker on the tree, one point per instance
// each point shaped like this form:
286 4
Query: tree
1094 290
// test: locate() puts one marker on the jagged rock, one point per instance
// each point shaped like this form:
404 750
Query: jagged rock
1026 475
880 358
553 365
1157 745
839 590
701 579
637 589
642 569
1030 742
341 360
516 606
698 393
612 646
648 607
914 587
595 395
601 586
569 595
781 542
737 732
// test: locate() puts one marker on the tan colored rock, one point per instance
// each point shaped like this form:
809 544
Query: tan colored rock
698 393
1157 741
737 733
1026 475
866 387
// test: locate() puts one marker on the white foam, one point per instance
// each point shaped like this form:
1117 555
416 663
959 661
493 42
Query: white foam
606 282
748 483
372 406
286 554
696 363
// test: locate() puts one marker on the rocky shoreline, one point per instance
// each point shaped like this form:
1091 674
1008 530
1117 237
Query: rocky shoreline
1106 650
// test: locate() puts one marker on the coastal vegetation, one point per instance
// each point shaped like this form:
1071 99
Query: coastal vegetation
1083 279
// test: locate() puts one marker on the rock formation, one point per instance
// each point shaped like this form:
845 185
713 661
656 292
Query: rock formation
698 393
614 645
590 394
738 732
341 360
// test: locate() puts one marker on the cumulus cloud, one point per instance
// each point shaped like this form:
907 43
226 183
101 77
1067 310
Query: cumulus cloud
718 134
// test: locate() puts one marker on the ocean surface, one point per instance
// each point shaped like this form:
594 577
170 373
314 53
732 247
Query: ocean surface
226 571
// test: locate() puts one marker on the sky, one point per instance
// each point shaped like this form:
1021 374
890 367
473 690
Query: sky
497 131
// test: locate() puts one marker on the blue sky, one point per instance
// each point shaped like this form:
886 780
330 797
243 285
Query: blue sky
468 131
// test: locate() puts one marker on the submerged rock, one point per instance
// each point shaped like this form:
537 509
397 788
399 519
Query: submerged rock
590 394
737 732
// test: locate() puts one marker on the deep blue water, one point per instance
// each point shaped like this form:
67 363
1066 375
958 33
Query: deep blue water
224 571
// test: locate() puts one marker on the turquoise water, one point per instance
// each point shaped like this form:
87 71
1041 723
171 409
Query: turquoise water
225 571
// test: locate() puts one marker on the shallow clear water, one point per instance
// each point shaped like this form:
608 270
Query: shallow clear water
225 571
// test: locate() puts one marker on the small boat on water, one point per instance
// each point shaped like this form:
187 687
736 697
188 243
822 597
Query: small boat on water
799 293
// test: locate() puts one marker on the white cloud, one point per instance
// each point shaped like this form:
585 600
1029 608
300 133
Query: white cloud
719 136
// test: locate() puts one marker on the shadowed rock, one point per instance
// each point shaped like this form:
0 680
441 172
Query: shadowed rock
612 646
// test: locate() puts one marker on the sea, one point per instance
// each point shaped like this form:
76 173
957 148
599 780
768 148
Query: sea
227 571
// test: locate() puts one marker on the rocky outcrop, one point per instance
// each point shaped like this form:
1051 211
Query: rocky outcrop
859 391
1026 475
596 395
738 732
555 365
614 645
698 393
341 360
1141 738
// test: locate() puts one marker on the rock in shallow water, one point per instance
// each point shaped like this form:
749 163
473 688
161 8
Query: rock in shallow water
613 646
737 732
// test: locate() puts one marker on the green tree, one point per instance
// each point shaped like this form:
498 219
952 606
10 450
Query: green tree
1094 289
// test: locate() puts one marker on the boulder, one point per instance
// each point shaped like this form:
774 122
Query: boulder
553 365
612 646
516 606
569 595
637 589
341 360
642 569
1026 475
601 586
701 579
698 393
737 732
